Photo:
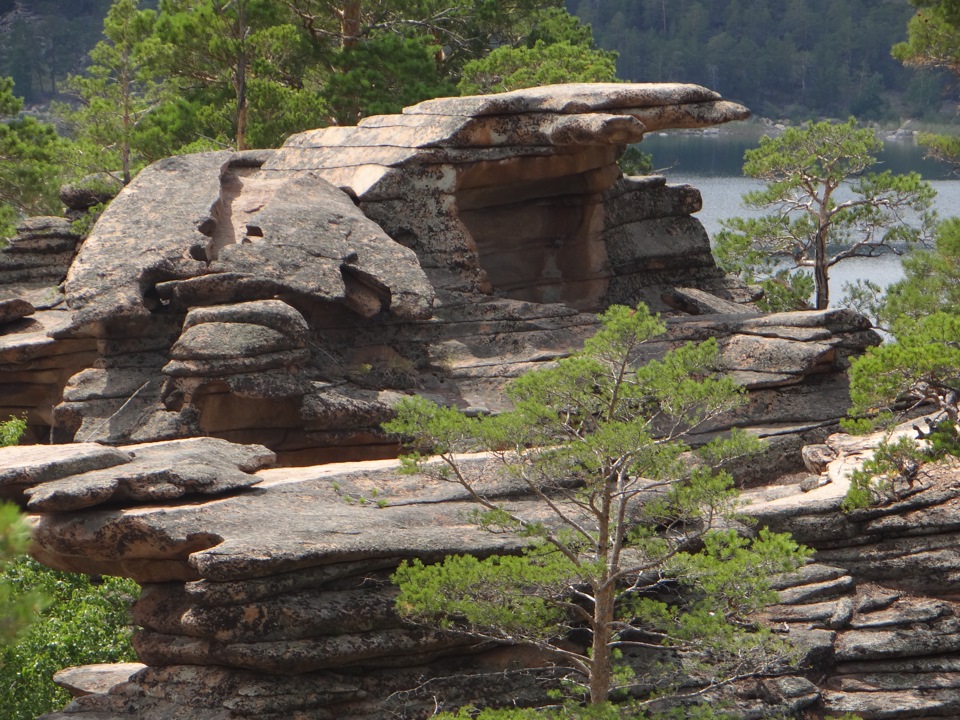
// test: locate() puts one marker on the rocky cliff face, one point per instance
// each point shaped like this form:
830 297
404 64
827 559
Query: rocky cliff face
235 311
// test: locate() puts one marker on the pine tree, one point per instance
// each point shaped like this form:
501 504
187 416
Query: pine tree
115 93
31 155
600 442
825 207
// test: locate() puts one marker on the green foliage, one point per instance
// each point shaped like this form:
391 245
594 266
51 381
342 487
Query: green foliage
825 207
84 622
83 225
50 620
942 147
11 431
933 42
881 478
599 440
207 47
8 223
931 38
921 367
501 595
557 49
507 68
115 94
932 279
31 155
931 283
635 162
206 74
17 608
383 75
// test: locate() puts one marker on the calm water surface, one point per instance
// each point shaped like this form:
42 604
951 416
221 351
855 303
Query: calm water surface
712 163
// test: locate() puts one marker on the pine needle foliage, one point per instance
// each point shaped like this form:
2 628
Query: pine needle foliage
635 550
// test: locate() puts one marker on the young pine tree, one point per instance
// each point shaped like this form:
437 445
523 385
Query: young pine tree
824 207
116 93
629 546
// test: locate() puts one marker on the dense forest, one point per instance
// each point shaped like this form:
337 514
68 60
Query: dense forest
42 41
781 58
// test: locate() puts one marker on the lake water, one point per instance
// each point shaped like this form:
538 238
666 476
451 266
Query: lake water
713 164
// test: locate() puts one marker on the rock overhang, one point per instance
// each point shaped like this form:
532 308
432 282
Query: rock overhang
288 297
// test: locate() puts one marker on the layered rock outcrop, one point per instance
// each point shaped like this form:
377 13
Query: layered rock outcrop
285 296
274 601
236 310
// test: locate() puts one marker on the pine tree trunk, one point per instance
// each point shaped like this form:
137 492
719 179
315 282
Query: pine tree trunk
242 110
601 673
601 670
125 82
820 269
350 23
241 83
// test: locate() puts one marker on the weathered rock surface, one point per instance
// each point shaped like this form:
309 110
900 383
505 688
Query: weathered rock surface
285 299
284 296
274 600
158 471
38 255
891 599
34 367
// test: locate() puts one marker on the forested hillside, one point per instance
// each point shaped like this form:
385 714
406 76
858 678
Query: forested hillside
42 41
781 58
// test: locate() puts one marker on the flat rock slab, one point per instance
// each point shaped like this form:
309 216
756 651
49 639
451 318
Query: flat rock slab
572 98
313 518
274 314
155 473
15 309
41 226
31 465
237 364
773 355
218 341
698 302
94 679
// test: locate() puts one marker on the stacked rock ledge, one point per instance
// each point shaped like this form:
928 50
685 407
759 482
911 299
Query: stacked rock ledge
443 251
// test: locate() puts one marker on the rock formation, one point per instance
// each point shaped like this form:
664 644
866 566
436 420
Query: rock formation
233 311
273 602
284 297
